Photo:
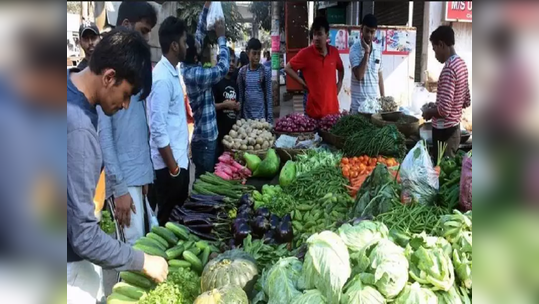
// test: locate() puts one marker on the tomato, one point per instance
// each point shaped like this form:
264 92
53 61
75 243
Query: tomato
345 160
345 173
354 174
362 167
373 161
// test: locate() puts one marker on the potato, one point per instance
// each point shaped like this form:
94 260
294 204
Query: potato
251 141
258 147
243 147
250 148
235 127
227 138
233 133
240 122
265 145
245 142
237 146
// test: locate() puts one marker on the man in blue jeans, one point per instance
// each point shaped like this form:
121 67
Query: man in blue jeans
199 82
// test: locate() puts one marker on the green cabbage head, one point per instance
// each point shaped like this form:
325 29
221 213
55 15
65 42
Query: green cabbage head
312 296
358 237
280 284
415 294
326 266
358 293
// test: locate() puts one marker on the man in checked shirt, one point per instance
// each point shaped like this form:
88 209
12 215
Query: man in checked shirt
199 82
453 93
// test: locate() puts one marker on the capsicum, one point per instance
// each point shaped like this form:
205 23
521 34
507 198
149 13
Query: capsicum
448 165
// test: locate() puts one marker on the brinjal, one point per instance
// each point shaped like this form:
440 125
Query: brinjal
269 237
286 218
243 231
260 225
274 221
285 233
237 223
263 211
244 207
247 199
245 213
199 197
231 244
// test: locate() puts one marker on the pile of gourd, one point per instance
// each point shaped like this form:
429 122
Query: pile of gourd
249 135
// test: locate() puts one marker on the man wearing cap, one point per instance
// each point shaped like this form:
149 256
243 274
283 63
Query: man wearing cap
367 82
89 38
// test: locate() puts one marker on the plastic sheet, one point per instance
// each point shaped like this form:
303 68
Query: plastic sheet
215 13
465 200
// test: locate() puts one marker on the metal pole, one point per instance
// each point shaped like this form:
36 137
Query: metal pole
275 51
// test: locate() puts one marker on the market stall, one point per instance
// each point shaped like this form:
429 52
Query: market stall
349 214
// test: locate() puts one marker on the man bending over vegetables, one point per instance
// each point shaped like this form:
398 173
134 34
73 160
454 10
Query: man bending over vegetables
199 82
118 68
453 93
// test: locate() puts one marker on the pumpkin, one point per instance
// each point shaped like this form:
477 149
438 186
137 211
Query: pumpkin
234 267
224 295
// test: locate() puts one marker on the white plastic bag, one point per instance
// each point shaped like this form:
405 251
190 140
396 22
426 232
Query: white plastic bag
215 13
152 219
419 179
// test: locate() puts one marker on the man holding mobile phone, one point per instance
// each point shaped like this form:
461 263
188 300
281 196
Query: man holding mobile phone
367 82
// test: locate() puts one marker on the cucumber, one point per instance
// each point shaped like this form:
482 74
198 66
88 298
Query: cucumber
174 252
116 298
213 248
194 238
195 250
150 250
150 242
196 264
136 279
128 290
156 237
202 245
205 256
172 269
180 242
188 245
180 231
179 263
168 235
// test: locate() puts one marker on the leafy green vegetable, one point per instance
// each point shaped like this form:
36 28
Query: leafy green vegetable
448 297
281 281
358 237
377 193
314 159
264 254
326 266
310 297
358 293
388 269
430 262
414 294
106 223
181 287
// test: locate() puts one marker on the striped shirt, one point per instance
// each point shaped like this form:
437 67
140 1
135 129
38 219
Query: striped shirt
453 93
367 88
199 82
255 105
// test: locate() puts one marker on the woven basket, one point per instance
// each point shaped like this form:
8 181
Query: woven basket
332 139
295 134
409 128
259 153
286 154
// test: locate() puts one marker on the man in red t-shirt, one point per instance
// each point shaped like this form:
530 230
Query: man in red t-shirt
318 63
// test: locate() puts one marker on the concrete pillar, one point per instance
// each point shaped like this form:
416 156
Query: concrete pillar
275 51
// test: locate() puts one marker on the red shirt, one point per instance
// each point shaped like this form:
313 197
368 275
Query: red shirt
320 74
453 93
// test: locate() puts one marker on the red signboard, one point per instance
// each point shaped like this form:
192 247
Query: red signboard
460 11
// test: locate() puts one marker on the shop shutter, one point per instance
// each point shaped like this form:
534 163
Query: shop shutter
391 12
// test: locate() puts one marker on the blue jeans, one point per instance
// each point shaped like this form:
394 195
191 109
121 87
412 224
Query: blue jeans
203 155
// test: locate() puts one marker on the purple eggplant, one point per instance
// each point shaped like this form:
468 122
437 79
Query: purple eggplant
274 221
263 211
247 199
260 225
242 232
286 218
269 237
245 213
285 233
237 223
203 235
231 244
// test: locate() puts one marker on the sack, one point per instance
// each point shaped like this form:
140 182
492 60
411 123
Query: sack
419 179
465 199
215 13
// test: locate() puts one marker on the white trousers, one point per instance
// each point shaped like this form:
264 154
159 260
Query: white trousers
136 230
84 283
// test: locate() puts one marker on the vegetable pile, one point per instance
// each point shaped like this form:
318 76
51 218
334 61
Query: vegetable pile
211 184
228 169
327 123
388 104
295 123
249 135
387 141
106 223
350 124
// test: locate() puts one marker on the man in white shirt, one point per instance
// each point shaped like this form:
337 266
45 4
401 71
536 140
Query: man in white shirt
169 135
367 82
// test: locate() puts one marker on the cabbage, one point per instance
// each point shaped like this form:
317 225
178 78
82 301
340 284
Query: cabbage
312 296
358 237
448 297
414 294
388 269
281 280
358 293
430 262
326 266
